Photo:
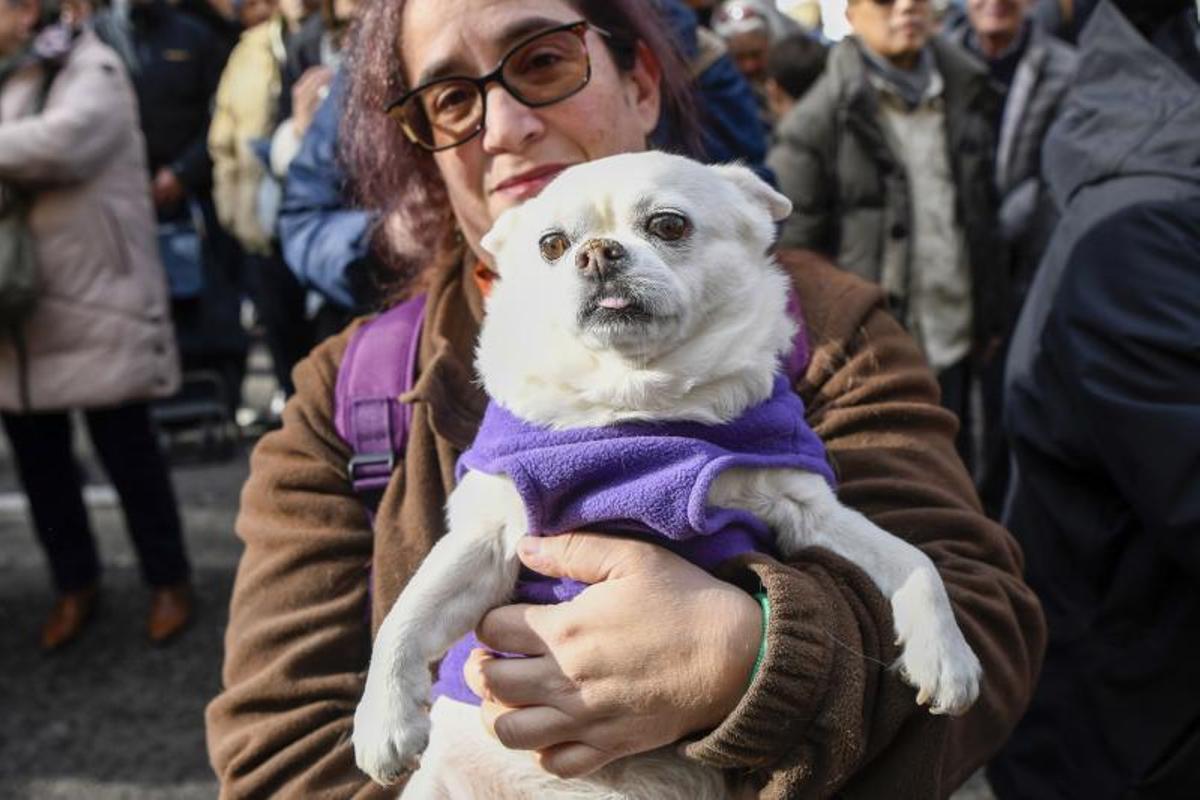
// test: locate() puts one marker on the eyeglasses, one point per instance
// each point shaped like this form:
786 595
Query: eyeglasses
545 68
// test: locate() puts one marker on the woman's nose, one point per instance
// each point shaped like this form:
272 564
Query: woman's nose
509 125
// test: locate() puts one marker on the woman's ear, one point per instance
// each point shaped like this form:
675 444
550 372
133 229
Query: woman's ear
645 88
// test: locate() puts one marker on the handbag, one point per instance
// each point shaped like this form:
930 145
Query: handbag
18 253
18 259
181 248
18 256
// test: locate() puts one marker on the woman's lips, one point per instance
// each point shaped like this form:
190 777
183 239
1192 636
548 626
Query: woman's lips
528 184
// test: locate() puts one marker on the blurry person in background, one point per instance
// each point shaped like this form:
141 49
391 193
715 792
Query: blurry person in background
326 241
888 161
805 12
1102 402
111 26
245 116
99 339
749 28
254 12
1035 69
1064 18
793 66
314 55
180 59
703 10
730 125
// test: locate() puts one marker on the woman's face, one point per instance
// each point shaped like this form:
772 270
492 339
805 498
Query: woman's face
521 149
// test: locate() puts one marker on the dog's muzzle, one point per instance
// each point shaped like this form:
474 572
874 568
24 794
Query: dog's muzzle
601 258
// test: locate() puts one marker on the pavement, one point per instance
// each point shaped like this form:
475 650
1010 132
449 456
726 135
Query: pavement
112 717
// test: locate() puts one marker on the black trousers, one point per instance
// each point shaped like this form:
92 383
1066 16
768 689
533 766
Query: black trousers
280 300
955 382
125 442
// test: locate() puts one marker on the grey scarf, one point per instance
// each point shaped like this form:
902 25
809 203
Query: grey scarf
909 85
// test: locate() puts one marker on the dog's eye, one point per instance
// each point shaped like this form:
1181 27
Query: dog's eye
668 226
553 245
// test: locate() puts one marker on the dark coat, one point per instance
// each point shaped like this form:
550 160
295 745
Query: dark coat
1103 408
179 65
851 192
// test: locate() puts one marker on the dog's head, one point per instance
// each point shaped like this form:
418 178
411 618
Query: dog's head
639 259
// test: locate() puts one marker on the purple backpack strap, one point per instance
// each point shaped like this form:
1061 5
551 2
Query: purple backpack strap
797 361
379 366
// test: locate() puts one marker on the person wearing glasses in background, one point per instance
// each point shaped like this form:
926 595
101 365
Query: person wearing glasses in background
490 122
888 161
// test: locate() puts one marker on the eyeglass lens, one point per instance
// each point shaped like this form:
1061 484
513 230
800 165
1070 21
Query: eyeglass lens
543 70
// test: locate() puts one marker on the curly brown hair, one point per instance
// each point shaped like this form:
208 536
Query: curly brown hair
387 172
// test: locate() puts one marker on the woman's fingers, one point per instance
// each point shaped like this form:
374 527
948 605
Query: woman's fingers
515 682
533 728
512 629
573 759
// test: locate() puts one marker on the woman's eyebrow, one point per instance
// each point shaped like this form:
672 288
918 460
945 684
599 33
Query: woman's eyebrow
510 35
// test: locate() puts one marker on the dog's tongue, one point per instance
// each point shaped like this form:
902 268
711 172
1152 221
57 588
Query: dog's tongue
616 303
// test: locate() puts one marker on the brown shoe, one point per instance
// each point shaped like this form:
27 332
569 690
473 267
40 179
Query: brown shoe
68 618
170 612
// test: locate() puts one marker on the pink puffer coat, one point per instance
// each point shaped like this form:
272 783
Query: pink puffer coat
101 334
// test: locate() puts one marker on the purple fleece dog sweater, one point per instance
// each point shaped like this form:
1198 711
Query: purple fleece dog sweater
646 479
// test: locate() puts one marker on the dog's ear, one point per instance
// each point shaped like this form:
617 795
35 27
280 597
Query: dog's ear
756 189
501 229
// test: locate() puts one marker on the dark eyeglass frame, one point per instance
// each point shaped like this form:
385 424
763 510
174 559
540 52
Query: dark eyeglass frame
579 28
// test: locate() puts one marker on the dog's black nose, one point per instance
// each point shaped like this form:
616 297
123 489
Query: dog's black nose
600 257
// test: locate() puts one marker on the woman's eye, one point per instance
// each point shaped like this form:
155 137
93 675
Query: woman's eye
451 100
669 227
553 245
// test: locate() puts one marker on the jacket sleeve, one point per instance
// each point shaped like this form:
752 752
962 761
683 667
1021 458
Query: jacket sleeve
281 725
223 147
826 714
81 126
321 237
803 177
1125 332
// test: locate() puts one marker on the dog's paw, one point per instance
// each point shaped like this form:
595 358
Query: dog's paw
935 658
388 745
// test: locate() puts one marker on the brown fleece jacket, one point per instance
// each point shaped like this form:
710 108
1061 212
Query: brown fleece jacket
824 715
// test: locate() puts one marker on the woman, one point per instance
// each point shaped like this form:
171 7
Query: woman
100 338
653 653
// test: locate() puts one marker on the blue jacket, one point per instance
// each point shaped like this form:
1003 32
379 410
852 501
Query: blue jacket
322 237
731 127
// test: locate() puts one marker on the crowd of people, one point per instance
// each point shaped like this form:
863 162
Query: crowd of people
996 210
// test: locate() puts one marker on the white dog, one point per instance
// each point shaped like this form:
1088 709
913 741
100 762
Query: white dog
633 290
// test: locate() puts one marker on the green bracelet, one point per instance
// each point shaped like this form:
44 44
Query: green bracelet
761 597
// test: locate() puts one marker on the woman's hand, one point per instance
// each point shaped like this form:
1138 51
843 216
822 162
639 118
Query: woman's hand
657 649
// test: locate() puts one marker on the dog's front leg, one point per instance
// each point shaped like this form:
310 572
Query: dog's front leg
803 511
470 570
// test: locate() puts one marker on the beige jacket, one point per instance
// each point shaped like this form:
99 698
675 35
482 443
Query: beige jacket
101 334
247 100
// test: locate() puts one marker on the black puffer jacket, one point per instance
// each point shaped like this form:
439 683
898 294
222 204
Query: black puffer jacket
179 65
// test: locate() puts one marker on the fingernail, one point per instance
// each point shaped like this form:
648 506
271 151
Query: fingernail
530 546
